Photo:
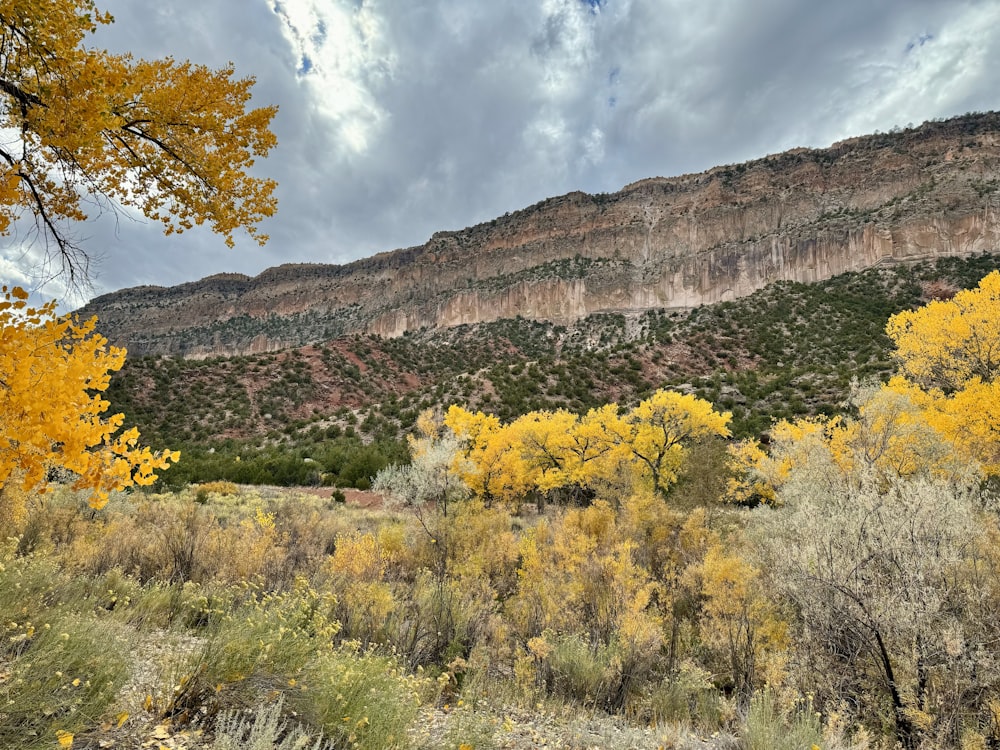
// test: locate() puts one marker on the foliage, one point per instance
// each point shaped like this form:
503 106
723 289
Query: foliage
946 344
654 432
893 586
171 139
358 576
340 462
937 417
53 371
585 608
58 674
949 354
175 538
889 436
769 727
739 625
253 648
358 699
58 677
430 475
263 728
547 451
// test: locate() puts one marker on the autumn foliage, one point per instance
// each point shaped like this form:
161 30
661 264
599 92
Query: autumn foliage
938 416
171 139
53 371
604 452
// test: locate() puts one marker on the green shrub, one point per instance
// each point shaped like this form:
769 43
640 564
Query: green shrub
60 675
687 698
261 647
770 728
359 700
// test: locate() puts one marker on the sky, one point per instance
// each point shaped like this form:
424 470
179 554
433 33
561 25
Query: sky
398 119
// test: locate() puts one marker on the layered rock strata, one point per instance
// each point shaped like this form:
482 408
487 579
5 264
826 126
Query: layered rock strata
677 242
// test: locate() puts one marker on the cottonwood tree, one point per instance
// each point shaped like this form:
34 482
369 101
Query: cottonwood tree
86 129
655 434
889 436
949 365
89 130
606 450
53 372
938 416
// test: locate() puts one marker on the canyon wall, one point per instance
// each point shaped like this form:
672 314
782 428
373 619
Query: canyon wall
802 215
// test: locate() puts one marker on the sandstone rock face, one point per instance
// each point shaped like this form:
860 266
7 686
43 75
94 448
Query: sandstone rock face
802 215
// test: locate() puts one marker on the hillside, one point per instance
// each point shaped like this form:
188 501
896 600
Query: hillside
662 243
336 412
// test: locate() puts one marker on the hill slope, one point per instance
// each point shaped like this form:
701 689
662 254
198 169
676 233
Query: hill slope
336 411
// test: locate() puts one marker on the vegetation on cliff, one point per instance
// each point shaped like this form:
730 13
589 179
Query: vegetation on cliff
338 412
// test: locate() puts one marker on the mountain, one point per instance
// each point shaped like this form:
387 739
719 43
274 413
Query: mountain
803 215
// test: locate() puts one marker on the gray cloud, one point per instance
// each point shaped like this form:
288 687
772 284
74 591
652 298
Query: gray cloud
400 119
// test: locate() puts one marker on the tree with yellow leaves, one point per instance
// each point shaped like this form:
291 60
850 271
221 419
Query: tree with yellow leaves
545 451
53 371
939 416
655 432
489 463
949 355
946 344
171 139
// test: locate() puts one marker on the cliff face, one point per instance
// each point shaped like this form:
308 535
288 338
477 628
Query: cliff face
802 215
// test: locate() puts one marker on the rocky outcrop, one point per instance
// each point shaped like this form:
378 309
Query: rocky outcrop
677 242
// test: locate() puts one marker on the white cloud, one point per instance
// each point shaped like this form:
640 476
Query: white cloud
925 74
343 60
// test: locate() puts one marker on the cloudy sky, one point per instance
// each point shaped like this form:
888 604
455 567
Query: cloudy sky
401 118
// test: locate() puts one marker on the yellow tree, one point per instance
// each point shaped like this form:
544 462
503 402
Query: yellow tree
53 371
171 139
596 460
946 344
655 431
940 415
548 450
544 439
949 355
890 438
489 463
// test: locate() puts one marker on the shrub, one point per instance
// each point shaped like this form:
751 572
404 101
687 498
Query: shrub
770 728
261 646
358 699
219 487
688 697
263 728
62 666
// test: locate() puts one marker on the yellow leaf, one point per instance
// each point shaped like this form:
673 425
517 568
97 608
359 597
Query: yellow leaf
65 738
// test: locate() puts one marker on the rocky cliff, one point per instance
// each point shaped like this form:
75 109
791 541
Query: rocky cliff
676 242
